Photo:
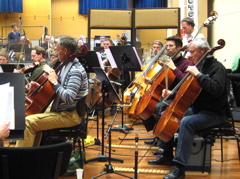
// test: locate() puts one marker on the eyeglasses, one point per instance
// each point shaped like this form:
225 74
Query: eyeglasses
170 46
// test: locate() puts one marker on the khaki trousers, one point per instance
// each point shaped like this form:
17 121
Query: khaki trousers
36 123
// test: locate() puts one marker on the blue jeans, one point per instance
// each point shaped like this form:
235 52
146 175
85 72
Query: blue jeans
188 126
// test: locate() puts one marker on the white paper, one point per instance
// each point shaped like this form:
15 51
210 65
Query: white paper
7 105
139 61
1 70
100 60
110 58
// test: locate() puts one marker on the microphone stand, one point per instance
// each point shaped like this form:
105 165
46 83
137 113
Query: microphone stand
102 157
108 167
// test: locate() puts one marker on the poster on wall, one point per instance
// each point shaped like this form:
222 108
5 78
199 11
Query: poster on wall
189 8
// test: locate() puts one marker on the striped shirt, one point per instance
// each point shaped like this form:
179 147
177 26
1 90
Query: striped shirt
73 88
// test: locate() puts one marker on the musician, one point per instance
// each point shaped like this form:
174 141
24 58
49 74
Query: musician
208 109
38 57
70 85
107 42
47 45
235 79
14 34
189 30
3 58
179 65
156 47
4 131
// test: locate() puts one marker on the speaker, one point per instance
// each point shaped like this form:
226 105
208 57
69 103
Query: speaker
196 158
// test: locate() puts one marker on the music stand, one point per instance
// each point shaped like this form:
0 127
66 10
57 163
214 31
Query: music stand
88 61
127 59
107 90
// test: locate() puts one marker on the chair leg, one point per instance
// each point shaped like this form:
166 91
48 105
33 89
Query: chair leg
204 154
238 146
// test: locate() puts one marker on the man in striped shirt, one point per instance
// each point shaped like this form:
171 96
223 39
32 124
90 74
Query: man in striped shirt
70 85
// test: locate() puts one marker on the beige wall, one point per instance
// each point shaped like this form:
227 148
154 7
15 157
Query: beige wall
36 14
227 27
62 18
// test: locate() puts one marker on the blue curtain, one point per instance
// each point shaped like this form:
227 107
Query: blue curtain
11 6
84 5
149 3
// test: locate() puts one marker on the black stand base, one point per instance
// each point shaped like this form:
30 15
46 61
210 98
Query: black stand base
103 158
109 169
123 128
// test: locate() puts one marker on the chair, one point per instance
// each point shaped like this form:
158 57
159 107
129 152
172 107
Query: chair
226 131
75 133
44 162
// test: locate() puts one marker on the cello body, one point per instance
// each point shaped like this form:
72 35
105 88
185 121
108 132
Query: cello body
169 121
152 96
140 87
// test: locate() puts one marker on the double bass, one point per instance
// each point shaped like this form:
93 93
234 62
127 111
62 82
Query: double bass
187 91
38 100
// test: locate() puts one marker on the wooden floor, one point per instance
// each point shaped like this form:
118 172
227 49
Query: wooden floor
124 150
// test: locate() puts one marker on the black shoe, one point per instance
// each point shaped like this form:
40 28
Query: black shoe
175 173
158 151
161 160
151 142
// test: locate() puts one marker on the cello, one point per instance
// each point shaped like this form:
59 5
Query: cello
38 100
189 89
151 97
137 87
149 100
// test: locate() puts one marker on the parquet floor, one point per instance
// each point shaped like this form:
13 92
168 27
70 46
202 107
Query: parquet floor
125 150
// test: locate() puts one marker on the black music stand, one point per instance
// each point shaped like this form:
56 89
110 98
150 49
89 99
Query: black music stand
89 61
107 91
127 59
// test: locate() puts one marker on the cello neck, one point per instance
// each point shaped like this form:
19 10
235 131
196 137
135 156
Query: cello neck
149 66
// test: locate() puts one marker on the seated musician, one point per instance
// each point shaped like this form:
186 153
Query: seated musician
3 58
156 47
14 34
179 65
47 45
38 58
70 85
207 110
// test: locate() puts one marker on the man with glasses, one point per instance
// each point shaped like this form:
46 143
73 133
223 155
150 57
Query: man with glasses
178 64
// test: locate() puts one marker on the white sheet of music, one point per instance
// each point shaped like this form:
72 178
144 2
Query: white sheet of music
110 58
100 60
7 105
139 61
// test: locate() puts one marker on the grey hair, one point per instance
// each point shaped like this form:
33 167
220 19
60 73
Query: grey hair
69 43
200 43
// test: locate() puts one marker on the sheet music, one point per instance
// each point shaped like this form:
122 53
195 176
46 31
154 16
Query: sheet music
110 58
139 61
1 70
7 105
100 60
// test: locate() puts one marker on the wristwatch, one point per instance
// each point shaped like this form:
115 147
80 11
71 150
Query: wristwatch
55 83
